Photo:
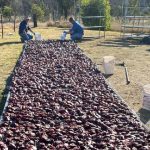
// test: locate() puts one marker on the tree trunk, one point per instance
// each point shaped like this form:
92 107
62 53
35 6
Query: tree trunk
35 20
14 22
66 13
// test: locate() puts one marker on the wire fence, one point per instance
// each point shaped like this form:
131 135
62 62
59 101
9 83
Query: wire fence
136 19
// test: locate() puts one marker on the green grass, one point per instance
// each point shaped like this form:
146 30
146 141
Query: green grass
10 48
9 54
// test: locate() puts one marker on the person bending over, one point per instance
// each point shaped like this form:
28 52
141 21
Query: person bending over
76 32
23 30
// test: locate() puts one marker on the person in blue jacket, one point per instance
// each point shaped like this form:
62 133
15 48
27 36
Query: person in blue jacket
77 31
23 30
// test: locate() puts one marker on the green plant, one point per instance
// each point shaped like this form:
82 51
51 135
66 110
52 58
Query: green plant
107 15
38 11
7 12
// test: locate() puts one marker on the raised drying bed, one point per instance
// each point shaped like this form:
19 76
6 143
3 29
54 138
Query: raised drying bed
60 100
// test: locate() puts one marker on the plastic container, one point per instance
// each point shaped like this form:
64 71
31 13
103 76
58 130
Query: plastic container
63 36
109 64
146 97
38 36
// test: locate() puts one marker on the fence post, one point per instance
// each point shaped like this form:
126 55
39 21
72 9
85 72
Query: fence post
14 22
2 25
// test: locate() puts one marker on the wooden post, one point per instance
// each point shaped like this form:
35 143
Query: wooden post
35 20
100 24
79 14
99 32
126 3
126 74
74 11
2 25
14 22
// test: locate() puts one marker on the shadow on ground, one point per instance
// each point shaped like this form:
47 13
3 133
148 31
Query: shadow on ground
144 115
107 75
7 87
90 38
130 43
9 43
5 94
64 29
86 39
148 50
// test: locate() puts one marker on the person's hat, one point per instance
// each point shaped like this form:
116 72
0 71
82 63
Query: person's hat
27 18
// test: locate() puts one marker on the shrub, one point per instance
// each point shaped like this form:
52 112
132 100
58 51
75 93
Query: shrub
7 12
50 23
62 23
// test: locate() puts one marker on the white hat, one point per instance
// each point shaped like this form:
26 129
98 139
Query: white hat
27 18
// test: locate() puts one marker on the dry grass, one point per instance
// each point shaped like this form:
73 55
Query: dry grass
135 56
60 24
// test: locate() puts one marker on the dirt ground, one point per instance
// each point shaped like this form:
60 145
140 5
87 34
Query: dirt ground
137 60
135 56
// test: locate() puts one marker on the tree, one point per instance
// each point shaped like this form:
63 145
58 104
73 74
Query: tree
17 7
4 3
17 10
38 11
107 15
65 6
26 7
7 12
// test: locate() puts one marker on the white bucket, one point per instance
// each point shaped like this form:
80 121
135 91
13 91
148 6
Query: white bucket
146 97
38 36
63 36
109 64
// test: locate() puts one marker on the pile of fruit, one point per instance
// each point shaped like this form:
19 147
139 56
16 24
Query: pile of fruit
60 100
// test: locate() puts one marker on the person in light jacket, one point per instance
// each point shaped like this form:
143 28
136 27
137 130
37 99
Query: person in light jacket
77 31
